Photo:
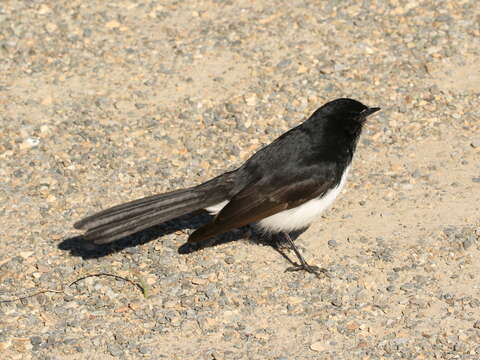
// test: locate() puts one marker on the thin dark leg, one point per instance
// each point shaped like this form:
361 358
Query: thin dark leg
303 264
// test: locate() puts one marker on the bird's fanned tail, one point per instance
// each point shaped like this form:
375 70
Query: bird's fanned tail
126 219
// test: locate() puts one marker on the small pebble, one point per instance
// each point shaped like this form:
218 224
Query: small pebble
144 349
475 143
467 243
337 302
35 340
332 243
114 350
230 260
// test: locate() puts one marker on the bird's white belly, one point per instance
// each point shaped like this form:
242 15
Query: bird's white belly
302 216
296 218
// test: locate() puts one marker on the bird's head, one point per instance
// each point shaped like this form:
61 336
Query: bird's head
347 111
343 115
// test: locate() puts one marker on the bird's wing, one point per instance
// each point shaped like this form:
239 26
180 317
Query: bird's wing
258 201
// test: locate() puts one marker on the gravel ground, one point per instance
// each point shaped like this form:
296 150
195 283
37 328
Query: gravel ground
103 102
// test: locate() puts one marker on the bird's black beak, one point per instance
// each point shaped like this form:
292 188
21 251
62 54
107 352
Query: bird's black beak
370 111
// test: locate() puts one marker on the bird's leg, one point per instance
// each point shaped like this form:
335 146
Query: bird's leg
303 264
277 241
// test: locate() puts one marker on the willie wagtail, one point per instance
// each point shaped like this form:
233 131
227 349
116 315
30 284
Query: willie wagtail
283 187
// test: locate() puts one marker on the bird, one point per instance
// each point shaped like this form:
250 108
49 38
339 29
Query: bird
281 188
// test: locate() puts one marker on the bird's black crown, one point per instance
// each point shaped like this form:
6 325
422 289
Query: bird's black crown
347 109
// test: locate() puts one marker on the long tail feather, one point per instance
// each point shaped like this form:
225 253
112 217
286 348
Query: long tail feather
125 219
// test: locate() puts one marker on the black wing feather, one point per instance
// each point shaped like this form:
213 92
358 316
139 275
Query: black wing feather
258 201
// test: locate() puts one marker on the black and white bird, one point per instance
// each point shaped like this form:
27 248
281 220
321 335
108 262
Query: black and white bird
283 187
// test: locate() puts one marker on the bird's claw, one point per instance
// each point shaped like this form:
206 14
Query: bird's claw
312 269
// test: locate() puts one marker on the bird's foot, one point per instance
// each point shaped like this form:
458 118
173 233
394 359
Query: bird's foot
312 269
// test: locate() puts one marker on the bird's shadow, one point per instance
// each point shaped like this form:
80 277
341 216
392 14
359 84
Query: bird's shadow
77 246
